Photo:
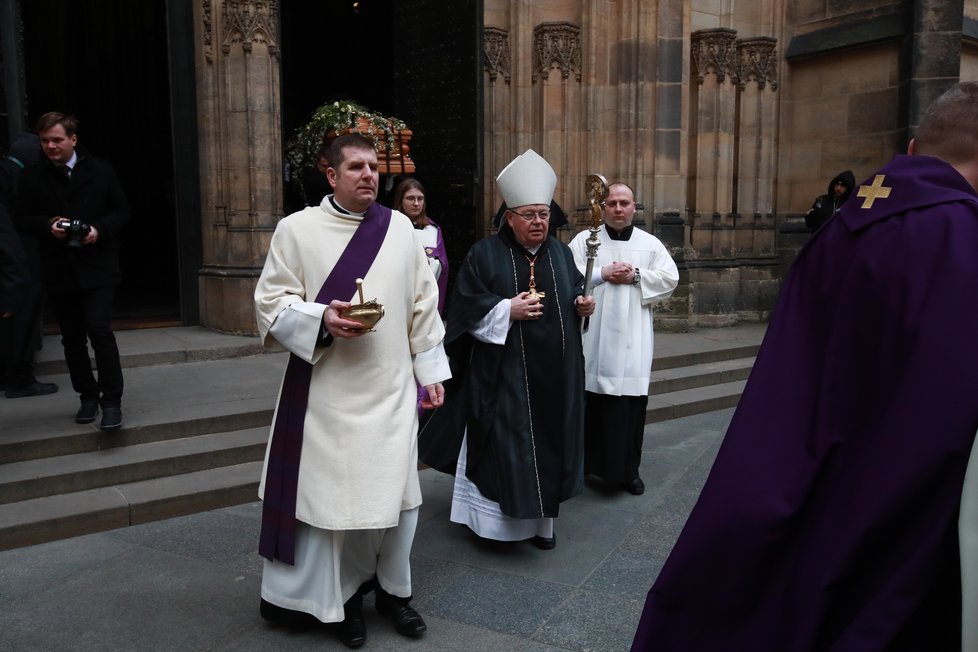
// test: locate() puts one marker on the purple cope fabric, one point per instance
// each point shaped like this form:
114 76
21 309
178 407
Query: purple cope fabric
829 519
277 539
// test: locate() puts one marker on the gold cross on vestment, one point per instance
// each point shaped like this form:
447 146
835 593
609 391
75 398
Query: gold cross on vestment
874 192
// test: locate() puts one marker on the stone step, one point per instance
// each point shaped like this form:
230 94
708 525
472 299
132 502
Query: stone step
64 474
157 346
707 354
699 375
161 402
686 402
50 518
197 411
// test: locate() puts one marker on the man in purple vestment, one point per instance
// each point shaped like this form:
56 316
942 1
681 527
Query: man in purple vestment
829 519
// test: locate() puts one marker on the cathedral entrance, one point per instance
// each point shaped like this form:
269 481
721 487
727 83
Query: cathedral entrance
107 63
420 61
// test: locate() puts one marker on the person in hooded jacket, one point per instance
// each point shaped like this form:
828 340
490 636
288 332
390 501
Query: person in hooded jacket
825 206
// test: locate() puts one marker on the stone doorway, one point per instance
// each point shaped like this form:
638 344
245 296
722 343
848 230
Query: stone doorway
420 61
107 63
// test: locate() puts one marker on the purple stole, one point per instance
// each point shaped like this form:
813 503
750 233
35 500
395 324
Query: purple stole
277 539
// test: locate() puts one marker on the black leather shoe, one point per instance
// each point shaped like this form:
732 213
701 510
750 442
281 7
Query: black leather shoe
34 389
111 418
86 413
636 487
352 632
407 621
271 612
545 543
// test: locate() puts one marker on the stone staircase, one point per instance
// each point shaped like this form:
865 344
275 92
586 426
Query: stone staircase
196 414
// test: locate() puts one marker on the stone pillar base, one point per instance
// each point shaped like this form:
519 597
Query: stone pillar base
227 300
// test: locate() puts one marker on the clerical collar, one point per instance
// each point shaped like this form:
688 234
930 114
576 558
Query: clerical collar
624 234
533 250
342 210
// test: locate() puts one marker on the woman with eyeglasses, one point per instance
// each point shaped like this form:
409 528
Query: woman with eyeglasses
409 198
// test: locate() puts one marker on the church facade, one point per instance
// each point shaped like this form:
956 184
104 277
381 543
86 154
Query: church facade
727 118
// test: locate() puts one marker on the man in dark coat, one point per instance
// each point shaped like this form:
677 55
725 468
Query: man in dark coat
13 268
74 204
830 518
20 333
827 205
514 331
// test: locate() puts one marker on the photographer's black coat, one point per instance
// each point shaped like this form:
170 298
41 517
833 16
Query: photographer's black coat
93 195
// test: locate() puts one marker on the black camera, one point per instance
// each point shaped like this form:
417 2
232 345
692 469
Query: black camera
76 231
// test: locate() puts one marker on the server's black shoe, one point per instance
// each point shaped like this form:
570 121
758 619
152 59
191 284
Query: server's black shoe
635 487
271 612
407 621
545 543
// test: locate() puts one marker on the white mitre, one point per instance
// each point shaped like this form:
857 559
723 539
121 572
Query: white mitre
528 179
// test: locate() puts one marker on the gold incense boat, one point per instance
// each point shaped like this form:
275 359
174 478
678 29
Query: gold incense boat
367 313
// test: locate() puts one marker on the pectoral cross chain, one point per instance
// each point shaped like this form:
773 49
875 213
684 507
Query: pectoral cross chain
533 278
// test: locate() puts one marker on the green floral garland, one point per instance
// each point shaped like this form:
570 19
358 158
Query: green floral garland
301 149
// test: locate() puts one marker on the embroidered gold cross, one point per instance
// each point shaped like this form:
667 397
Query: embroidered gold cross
874 192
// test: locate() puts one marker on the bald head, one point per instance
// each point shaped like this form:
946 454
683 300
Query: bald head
949 128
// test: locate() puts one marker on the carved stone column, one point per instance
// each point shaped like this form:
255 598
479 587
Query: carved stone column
757 135
240 154
496 100
557 47
712 138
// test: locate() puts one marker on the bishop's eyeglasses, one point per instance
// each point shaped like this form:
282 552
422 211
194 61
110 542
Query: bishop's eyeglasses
529 216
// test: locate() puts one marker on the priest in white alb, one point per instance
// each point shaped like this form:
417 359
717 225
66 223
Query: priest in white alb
633 271
340 486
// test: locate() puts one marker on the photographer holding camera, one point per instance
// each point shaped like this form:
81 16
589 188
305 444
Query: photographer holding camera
75 205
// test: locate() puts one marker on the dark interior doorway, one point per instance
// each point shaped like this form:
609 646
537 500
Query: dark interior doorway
419 60
333 51
105 61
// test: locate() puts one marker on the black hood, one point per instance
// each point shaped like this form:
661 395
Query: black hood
847 179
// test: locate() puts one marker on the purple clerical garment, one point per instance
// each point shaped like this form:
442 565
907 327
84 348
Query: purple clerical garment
828 521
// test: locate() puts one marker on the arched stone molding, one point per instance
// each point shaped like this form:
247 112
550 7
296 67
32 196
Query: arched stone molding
495 46
757 61
556 45
248 22
713 51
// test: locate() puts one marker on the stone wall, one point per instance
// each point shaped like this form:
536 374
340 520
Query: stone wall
727 119
612 87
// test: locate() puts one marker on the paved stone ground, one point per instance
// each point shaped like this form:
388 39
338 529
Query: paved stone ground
192 583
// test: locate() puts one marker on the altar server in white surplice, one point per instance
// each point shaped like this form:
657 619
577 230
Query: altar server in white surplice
633 271
340 486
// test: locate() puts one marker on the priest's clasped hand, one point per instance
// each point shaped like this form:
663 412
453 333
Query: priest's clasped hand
525 307
618 272
338 326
